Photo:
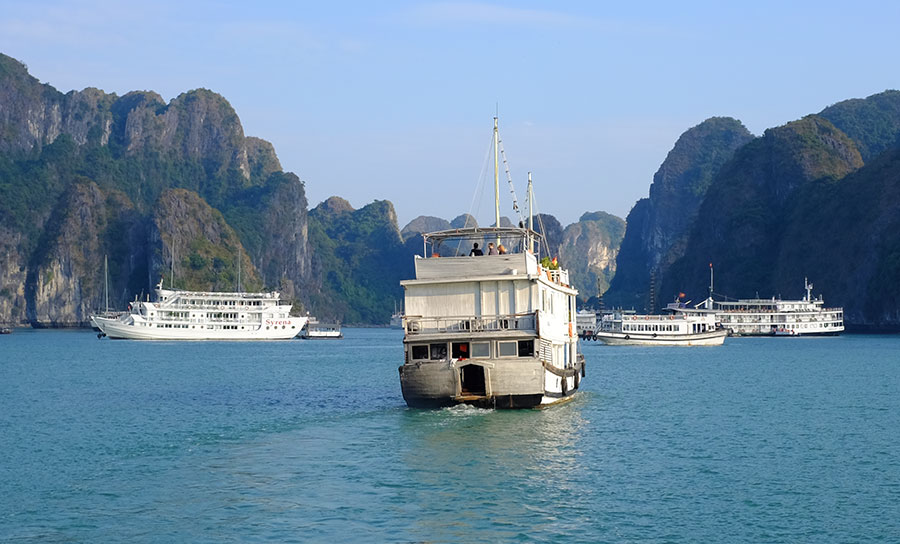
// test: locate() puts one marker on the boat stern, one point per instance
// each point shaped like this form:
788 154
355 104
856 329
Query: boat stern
488 384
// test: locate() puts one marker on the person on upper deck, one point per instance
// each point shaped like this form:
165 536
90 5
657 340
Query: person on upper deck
501 249
475 251
491 249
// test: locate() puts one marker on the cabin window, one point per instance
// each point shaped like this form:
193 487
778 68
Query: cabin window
420 352
526 348
460 350
508 349
438 352
481 349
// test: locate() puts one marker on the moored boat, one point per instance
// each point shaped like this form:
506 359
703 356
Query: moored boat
396 318
773 316
316 330
621 328
195 315
585 323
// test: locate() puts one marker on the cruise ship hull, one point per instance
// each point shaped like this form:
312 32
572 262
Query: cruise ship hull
711 338
497 383
118 329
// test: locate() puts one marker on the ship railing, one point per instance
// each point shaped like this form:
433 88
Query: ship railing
244 307
558 276
204 320
469 324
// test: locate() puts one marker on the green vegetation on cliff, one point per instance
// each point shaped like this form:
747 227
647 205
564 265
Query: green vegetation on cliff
360 259
743 224
658 225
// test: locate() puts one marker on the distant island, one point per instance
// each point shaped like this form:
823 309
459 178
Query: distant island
178 189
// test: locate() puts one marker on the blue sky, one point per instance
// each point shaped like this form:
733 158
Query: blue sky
394 100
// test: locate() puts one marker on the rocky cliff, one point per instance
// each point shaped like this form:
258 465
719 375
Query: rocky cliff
111 162
64 280
744 223
658 225
873 123
589 249
194 248
359 261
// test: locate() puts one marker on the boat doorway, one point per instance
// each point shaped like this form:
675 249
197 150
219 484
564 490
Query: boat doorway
471 380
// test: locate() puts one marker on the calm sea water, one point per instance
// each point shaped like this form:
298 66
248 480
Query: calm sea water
760 440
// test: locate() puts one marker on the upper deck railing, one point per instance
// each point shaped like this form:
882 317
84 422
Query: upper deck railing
470 324
460 242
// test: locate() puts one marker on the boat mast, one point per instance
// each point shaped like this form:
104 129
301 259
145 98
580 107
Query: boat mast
530 216
172 273
106 275
497 174
239 270
709 301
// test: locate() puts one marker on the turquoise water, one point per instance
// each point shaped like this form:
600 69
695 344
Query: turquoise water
760 440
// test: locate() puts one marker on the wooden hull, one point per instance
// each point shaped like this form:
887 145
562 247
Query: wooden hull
510 383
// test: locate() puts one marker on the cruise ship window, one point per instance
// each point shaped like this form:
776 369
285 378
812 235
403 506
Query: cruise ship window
420 352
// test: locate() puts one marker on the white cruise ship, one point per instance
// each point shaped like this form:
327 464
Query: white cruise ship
775 317
491 330
679 329
194 315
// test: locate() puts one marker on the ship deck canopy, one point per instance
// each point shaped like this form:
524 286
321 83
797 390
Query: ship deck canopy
459 241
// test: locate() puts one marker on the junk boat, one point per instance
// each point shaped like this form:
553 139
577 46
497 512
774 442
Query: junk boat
496 331
679 329
195 315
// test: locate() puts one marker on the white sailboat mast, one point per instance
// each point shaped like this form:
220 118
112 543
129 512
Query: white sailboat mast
497 174
106 275
530 216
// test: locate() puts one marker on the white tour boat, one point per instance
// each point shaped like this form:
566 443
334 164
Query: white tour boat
396 318
194 315
679 329
773 316
585 323
495 331
315 330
